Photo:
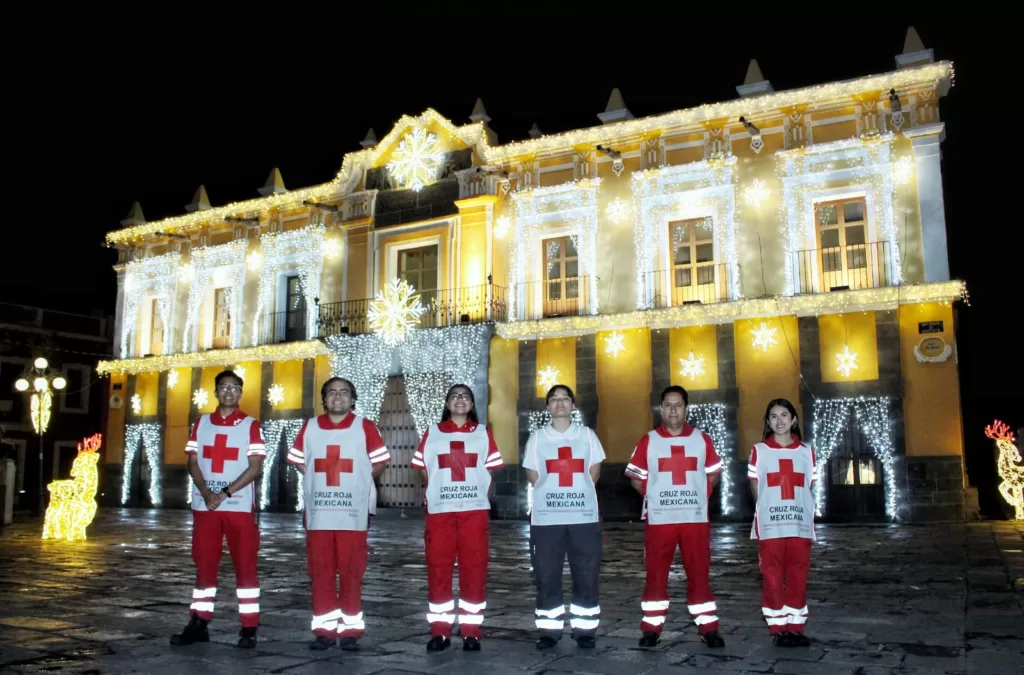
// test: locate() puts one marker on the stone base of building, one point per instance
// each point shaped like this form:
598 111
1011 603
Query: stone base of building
935 491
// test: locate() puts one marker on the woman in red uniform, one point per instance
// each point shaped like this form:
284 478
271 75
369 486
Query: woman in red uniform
781 473
457 455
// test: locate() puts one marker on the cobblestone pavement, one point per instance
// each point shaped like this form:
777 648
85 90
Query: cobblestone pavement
883 599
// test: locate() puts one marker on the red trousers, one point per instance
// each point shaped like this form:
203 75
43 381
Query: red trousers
209 530
660 542
337 607
463 537
784 566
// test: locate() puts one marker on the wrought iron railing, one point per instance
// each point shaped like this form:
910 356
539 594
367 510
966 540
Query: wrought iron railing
840 268
288 326
697 284
554 297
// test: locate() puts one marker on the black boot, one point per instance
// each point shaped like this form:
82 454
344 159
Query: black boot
246 638
586 641
321 643
712 639
195 631
349 644
438 643
783 639
800 640
546 642
650 639
470 644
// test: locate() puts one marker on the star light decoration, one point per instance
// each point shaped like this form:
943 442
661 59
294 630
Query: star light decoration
136 404
275 394
547 376
200 398
764 336
903 170
846 361
254 261
416 160
613 344
395 311
502 226
617 211
172 378
755 193
692 366
332 248
239 370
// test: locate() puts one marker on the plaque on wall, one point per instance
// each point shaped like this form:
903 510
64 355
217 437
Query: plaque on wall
929 327
932 349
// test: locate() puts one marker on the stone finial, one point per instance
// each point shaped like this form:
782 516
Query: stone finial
370 141
754 84
914 51
535 131
200 202
274 184
616 110
479 114
134 216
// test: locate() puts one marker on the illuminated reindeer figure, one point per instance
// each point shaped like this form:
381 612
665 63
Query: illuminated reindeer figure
73 502
1009 465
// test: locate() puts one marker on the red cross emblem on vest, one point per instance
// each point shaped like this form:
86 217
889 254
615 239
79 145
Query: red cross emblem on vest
786 478
457 460
565 466
333 465
219 452
679 464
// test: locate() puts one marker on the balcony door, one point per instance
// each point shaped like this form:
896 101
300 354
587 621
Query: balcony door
295 311
156 330
418 268
694 275
561 277
221 319
847 260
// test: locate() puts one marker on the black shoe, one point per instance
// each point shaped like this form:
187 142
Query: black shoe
650 639
470 644
712 639
799 640
546 642
246 638
438 643
783 639
349 644
586 642
195 631
321 643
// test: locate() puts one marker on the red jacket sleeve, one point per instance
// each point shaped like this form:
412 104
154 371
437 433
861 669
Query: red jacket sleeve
712 462
637 467
417 458
257 447
493 455
297 453
192 447
752 464
375 447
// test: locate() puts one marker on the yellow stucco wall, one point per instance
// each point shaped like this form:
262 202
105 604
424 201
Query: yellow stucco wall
473 243
355 262
560 354
177 425
624 393
321 373
207 382
765 375
113 442
503 392
703 342
931 403
288 374
147 387
857 330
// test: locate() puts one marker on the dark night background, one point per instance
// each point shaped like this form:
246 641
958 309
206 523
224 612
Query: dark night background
108 119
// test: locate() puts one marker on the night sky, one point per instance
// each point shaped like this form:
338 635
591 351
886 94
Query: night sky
107 120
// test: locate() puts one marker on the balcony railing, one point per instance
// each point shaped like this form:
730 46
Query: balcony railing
213 335
446 307
698 284
288 326
554 297
841 268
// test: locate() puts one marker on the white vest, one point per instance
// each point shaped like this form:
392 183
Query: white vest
677 487
222 453
456 478
785 501
565 493
338 483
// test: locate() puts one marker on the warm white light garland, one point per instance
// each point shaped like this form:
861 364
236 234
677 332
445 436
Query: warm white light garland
710 418
205 262
153 278
832 418
272 432
299 250
366 361
149 436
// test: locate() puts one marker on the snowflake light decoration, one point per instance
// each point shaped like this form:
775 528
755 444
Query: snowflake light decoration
275 394
136 404
846 361
254 261
200 398
764 337
395 311
547 377
187 272
502 226
332 249
755 193
903 170
613 344
239 370
692 366
172 378
416 160
617 211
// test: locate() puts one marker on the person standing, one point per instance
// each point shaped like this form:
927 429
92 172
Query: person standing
563 463
676 467
457 455
340 454
225 455
781 472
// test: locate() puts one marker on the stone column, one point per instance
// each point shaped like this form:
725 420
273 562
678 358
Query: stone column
928 159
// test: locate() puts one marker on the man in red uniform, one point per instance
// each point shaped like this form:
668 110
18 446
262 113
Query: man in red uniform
340 454
225 454
676 467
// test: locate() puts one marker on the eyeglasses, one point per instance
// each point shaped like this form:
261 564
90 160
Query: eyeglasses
460 397
229 387
559 399
338 392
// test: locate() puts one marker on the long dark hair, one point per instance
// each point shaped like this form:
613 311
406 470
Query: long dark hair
768 432
447 414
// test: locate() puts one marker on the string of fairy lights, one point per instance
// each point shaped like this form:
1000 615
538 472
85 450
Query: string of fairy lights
710 418
273 430
148 435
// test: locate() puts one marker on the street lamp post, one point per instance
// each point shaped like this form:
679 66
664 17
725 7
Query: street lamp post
43 383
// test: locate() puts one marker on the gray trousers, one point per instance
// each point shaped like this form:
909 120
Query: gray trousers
549 545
